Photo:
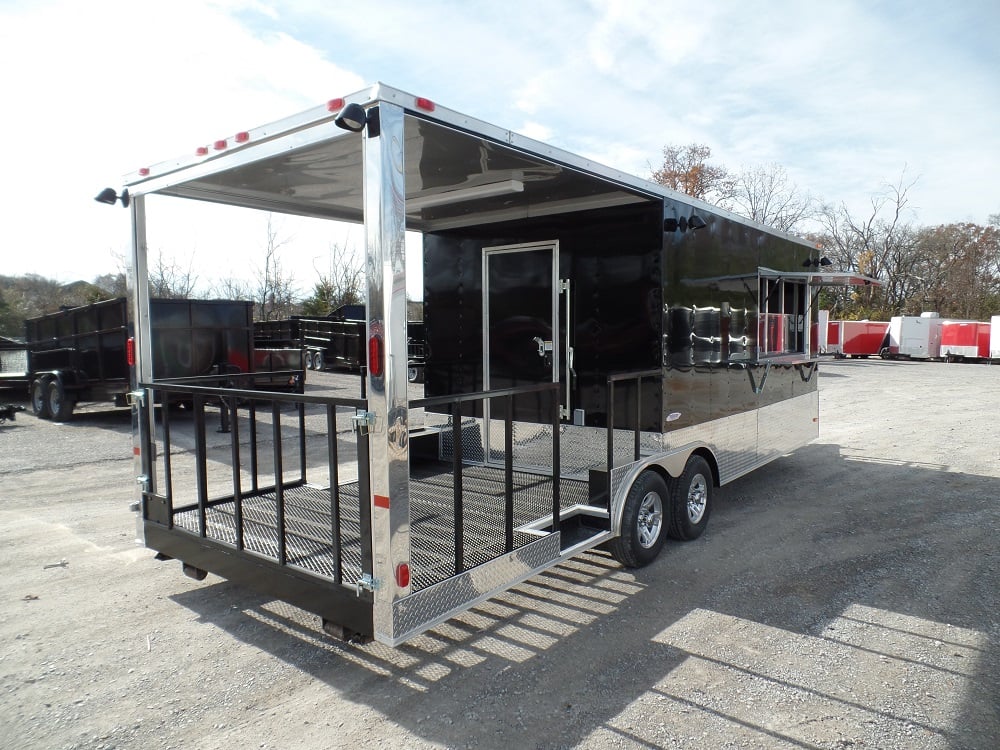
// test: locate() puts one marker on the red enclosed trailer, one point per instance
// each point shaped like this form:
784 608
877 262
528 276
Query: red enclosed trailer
856 338
965 339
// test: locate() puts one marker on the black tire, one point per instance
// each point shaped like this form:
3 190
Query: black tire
644 522
691 500
309 360
318 361
60 403
415 374
40 399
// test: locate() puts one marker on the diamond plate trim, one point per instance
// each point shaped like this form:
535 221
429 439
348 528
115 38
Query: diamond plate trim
426 608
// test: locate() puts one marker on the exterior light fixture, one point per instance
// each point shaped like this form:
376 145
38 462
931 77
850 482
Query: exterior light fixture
352 117
109 196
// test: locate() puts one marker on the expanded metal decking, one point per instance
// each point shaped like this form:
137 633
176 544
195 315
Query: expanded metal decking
309 524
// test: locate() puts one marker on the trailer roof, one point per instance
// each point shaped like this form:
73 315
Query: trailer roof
459 171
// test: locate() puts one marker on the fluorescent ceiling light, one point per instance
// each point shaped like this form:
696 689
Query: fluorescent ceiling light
487 190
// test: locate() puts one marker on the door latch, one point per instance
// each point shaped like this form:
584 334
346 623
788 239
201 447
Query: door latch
133 398
364 421
366 583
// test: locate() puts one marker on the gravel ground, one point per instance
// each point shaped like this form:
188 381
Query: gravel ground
844 596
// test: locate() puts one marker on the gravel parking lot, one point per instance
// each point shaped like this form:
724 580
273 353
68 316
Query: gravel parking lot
844 596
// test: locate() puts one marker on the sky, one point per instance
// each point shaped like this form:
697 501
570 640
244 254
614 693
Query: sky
848 97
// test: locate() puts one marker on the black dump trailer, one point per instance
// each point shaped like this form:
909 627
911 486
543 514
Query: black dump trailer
85 353
338 340
601 353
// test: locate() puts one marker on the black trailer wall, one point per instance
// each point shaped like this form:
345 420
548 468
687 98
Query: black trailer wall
643 297
612 258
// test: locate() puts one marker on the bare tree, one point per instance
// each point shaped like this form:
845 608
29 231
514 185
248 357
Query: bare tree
274 292
340 285
168 280
233 288
766 195
686 169
880 243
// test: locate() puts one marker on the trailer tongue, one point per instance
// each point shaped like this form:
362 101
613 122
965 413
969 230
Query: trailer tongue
600 353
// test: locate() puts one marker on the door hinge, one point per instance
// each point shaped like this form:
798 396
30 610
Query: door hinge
563 286
366 583
135 397
143 481
364 421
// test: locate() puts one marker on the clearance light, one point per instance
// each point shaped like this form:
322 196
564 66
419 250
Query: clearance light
144 171
334 105
242 137
425 104
130 351
201 151
403 575
375 356
220 145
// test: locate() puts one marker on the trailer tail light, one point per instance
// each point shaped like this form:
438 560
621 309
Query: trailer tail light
375 355
403 575
130 351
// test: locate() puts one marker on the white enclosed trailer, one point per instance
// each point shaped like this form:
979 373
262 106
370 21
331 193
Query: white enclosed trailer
600 353
914 337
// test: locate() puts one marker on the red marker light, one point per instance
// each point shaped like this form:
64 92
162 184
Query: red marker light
403 575
143 171
425 104
334 105
242 137
201 151
130 351
375 356
220 145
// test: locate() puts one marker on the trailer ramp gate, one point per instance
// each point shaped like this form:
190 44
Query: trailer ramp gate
278 498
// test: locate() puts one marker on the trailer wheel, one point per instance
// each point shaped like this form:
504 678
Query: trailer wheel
318 361
691 500
415 374
40 399
643 522
309 360
60 403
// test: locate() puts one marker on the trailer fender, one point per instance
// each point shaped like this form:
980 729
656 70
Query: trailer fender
670 466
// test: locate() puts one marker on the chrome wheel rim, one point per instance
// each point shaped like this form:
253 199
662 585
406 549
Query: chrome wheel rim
650 520
697 498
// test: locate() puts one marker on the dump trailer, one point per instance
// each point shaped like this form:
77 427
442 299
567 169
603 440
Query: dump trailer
337 341
13 365
601 353
83 353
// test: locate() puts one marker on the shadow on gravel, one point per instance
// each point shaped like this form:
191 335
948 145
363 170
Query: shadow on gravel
834 601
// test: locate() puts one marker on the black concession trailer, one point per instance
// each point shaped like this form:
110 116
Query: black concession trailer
85 353
601 353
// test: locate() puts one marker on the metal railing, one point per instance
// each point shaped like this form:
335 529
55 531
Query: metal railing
242 408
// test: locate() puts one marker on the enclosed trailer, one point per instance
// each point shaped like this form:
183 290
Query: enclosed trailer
964 339
601 352
914 337
995 337
856 338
